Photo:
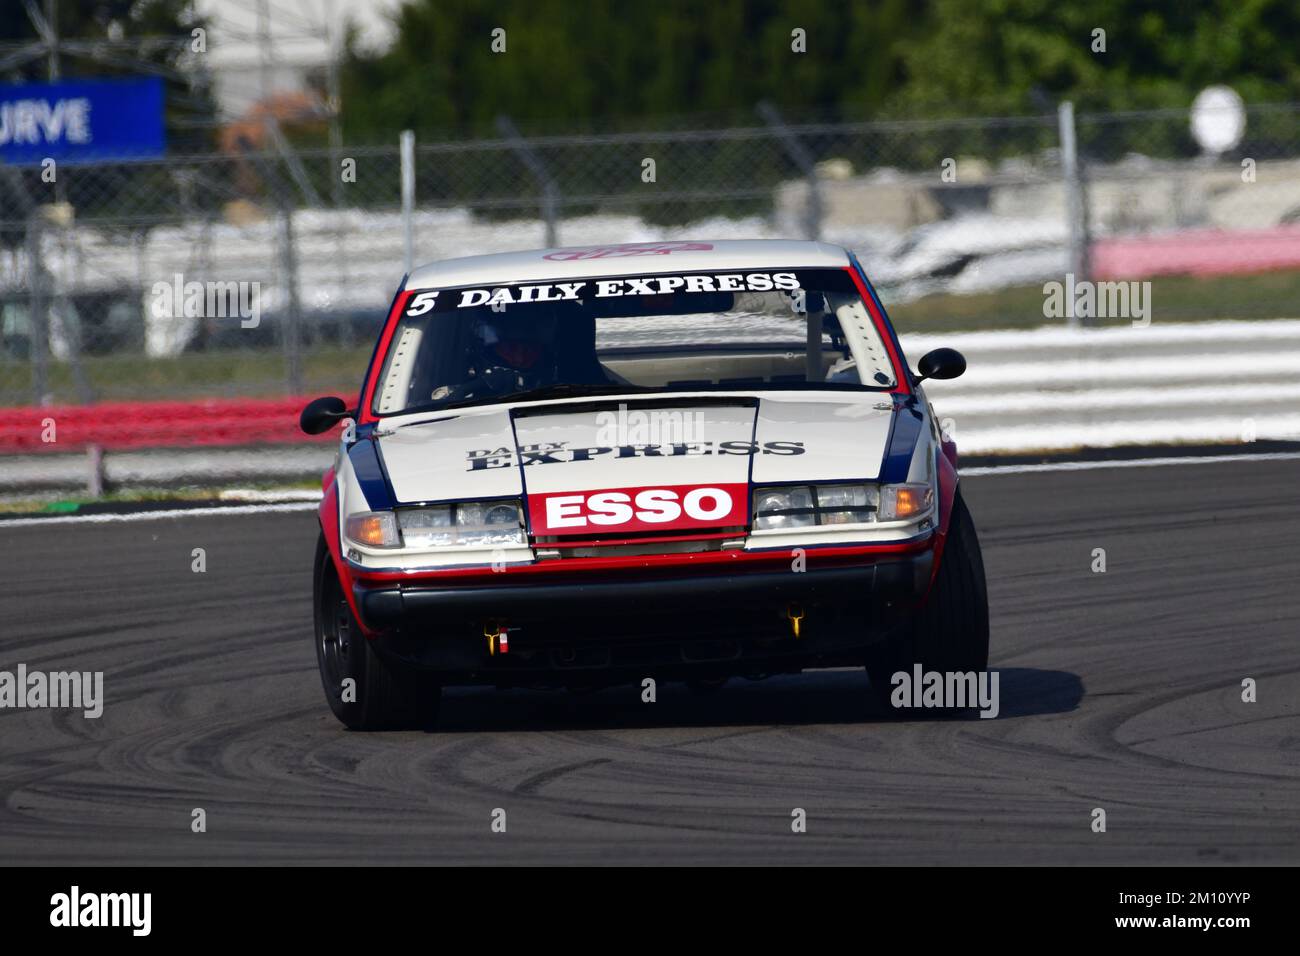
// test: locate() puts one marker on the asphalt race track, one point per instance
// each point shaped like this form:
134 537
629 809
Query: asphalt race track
1119 690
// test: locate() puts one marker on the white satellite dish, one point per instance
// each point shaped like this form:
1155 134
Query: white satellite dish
1218 119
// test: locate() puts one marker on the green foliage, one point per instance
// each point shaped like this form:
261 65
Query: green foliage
605 65
1013 56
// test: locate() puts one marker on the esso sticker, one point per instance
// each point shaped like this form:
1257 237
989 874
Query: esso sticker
663 508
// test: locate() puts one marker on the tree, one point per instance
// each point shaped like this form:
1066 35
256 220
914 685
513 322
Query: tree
1016 56
608 65
605 65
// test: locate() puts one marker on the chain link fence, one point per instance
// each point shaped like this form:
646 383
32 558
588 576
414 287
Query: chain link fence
263 268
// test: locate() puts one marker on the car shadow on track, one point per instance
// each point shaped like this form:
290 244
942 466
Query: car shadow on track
820 697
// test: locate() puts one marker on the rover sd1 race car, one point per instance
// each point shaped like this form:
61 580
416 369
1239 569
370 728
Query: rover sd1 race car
677 460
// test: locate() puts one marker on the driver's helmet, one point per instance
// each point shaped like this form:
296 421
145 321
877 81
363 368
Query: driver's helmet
518 341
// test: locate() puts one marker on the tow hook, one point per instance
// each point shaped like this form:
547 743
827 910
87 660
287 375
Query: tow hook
498 637
795 613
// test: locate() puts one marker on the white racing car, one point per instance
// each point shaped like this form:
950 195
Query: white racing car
678 460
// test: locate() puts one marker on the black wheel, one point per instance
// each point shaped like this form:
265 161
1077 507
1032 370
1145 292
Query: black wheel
951 632
364 691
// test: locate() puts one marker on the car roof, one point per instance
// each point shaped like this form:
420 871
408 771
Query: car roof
632 258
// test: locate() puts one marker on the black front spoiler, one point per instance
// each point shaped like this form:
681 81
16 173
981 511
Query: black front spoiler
899 580
715 624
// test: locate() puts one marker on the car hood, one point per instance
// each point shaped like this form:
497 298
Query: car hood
570 447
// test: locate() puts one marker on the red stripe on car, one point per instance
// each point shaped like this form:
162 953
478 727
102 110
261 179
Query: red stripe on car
366 413
901 375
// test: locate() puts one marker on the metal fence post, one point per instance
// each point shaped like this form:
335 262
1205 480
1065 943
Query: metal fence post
282 197
58 310
38 311
408 196
293 313
1076 206
804 159
550 200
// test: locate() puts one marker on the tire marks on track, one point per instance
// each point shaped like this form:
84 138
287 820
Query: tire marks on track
1119 690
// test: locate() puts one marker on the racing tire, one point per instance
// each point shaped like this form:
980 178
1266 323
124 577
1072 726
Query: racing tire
384 695
950 631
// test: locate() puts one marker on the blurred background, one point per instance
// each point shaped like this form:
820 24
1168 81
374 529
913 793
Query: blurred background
305 152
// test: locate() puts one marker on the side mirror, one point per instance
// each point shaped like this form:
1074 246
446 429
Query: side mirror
322 414
940 363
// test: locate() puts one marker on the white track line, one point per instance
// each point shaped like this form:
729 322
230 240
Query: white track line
254 496
159 515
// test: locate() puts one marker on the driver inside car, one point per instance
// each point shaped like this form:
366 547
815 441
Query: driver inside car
505 353
522 343
528 349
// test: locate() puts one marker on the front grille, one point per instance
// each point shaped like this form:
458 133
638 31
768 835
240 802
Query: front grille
624 544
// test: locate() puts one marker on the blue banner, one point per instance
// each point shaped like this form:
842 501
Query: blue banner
81 121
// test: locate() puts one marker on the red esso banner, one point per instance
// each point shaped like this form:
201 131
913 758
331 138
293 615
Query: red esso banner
663 508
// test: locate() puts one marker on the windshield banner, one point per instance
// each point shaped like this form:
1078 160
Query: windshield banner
498 297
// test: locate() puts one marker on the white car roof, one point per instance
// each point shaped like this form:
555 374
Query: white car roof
633 258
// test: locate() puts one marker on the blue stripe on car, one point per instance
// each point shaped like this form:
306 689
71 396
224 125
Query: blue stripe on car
902 442
364 457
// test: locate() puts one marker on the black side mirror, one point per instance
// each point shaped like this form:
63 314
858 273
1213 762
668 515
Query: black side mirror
322 414
940 363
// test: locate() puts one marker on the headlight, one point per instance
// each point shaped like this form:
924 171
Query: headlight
803 506
465 523
373 529
846 504
784 508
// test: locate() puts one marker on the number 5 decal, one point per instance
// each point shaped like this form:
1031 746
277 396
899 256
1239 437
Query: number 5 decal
422 303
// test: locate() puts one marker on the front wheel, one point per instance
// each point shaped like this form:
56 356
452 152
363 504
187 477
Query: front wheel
950 633
364 691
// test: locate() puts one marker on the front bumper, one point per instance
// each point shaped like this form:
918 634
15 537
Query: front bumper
730 619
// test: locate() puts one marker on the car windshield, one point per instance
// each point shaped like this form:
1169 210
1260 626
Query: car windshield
793 329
